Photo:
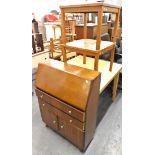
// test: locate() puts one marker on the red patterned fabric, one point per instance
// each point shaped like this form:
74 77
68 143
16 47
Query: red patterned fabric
51 18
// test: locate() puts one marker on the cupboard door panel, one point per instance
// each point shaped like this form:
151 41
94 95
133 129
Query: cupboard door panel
48 114
72 133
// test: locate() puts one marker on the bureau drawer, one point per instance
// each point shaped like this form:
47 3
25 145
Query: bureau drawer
71 121
77 114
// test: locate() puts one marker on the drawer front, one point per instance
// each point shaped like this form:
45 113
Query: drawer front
73 134
77 114
110 10
71 121
39 59
48 114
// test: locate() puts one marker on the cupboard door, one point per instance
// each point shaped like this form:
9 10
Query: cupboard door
72 133
48 114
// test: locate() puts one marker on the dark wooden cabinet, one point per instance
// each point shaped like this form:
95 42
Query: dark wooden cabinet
91 30
69 127
71 117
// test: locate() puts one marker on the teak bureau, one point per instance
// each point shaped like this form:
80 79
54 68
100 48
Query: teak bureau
68 100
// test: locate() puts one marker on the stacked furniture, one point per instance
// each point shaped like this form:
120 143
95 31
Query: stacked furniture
68 100
56 52
90 47
68 92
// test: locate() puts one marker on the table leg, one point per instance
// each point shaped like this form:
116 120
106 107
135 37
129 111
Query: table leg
84 58
63 26
85 26
112 58
64 53
116 26
99 29
96 62
115 86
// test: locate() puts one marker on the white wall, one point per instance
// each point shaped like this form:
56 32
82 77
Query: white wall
42 7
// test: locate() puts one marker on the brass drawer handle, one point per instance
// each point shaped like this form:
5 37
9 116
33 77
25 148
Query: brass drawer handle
54 122
61 126
69 112
43 104
70 121
41 96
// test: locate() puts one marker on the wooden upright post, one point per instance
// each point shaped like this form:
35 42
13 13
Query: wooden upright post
63 27
116 26
85 35
99 29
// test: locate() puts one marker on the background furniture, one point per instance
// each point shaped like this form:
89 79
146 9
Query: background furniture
70 30
91 30
56 52
39 58
53 30
70 110
111 33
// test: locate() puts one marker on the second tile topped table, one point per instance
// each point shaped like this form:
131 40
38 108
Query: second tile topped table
87 47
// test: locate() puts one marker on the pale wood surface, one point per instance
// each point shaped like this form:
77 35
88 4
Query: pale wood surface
89 44
39 53
106 75
90 24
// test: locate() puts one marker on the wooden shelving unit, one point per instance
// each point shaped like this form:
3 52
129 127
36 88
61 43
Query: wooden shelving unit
89 46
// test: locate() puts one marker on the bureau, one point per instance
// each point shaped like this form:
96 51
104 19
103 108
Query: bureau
68 100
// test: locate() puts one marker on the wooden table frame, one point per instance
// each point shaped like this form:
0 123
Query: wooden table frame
88 52
85 8
115 85
106 76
